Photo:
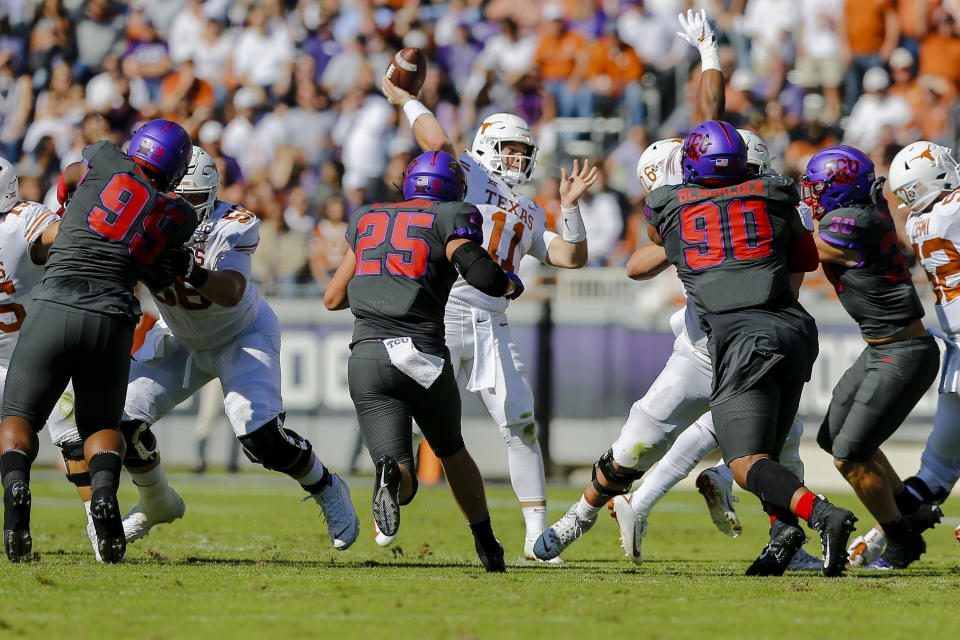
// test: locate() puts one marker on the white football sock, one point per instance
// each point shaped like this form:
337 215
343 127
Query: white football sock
315 474
535 519
585 510
150 484
86 509
689 449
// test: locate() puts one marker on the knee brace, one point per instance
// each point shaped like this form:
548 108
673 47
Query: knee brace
772 483
141 444
72 452
277 448
622 477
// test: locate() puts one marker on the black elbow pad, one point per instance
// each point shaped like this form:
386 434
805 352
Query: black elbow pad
479 270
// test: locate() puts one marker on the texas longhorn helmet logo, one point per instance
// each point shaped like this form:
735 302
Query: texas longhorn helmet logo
927 153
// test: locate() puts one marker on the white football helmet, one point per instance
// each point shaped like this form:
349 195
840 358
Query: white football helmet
920 172
9 186
652 167
201 178
493 132
758 157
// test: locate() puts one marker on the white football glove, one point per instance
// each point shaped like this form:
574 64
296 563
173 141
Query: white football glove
698 33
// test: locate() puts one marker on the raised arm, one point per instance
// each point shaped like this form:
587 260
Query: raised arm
569 249
647 262
711 102
428 131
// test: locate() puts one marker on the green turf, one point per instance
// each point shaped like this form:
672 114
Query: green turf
248 561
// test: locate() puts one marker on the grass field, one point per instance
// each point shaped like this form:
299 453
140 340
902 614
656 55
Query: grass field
248 561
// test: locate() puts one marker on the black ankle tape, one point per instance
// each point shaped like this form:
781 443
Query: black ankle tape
14 466
105 470
772 482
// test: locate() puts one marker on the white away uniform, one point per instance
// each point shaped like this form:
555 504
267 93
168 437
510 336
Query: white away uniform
19 229
482 351
197 340
935 237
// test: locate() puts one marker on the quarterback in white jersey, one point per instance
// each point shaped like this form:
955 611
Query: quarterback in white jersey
214 325
926 179
484 356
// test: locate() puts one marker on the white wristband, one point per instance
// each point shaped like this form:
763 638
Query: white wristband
710 58
571 225
413 109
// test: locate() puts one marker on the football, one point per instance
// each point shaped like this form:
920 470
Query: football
407 69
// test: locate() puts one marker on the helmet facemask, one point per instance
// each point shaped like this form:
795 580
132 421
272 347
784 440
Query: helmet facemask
494 133
200 183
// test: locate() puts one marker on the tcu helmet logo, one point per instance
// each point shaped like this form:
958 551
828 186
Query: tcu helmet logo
149 148
843 170
697 145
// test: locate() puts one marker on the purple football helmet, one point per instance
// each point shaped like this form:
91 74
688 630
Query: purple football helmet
164 146
434 175
836 177
713 154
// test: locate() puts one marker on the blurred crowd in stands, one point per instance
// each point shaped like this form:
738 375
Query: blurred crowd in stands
284 93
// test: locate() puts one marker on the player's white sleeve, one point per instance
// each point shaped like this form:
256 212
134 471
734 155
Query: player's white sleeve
237 249
36 218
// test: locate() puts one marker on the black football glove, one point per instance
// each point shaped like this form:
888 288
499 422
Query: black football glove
517 284
179 262
157 279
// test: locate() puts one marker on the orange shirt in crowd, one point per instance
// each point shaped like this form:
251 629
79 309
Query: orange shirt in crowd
621 66
866 26
940 56
557 55
912 24
200 93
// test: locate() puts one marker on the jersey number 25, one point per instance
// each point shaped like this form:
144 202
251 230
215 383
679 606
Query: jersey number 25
372 230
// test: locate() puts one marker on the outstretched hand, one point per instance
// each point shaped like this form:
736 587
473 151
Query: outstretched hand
574 184
394 94
696 29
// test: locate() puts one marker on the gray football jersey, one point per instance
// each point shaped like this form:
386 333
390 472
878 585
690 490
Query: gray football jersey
403 278
877 292
115 226
729 243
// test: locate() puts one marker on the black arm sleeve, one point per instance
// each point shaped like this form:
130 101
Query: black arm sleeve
479 270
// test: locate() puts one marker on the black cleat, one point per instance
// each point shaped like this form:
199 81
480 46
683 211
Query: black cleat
785 540
108 524
925 517
386 496
490 553
834 524
16 521
899 554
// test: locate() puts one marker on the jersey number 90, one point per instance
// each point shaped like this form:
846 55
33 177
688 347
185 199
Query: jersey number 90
706 225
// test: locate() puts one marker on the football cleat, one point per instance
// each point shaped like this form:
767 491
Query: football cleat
864 549
386 500
343 523
632 527
163 509
785 540
111 541
925 517
561 534
803 561
719 496
900 554
381 539
834 524
490 552
956 534
530 556
16 521
880 563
